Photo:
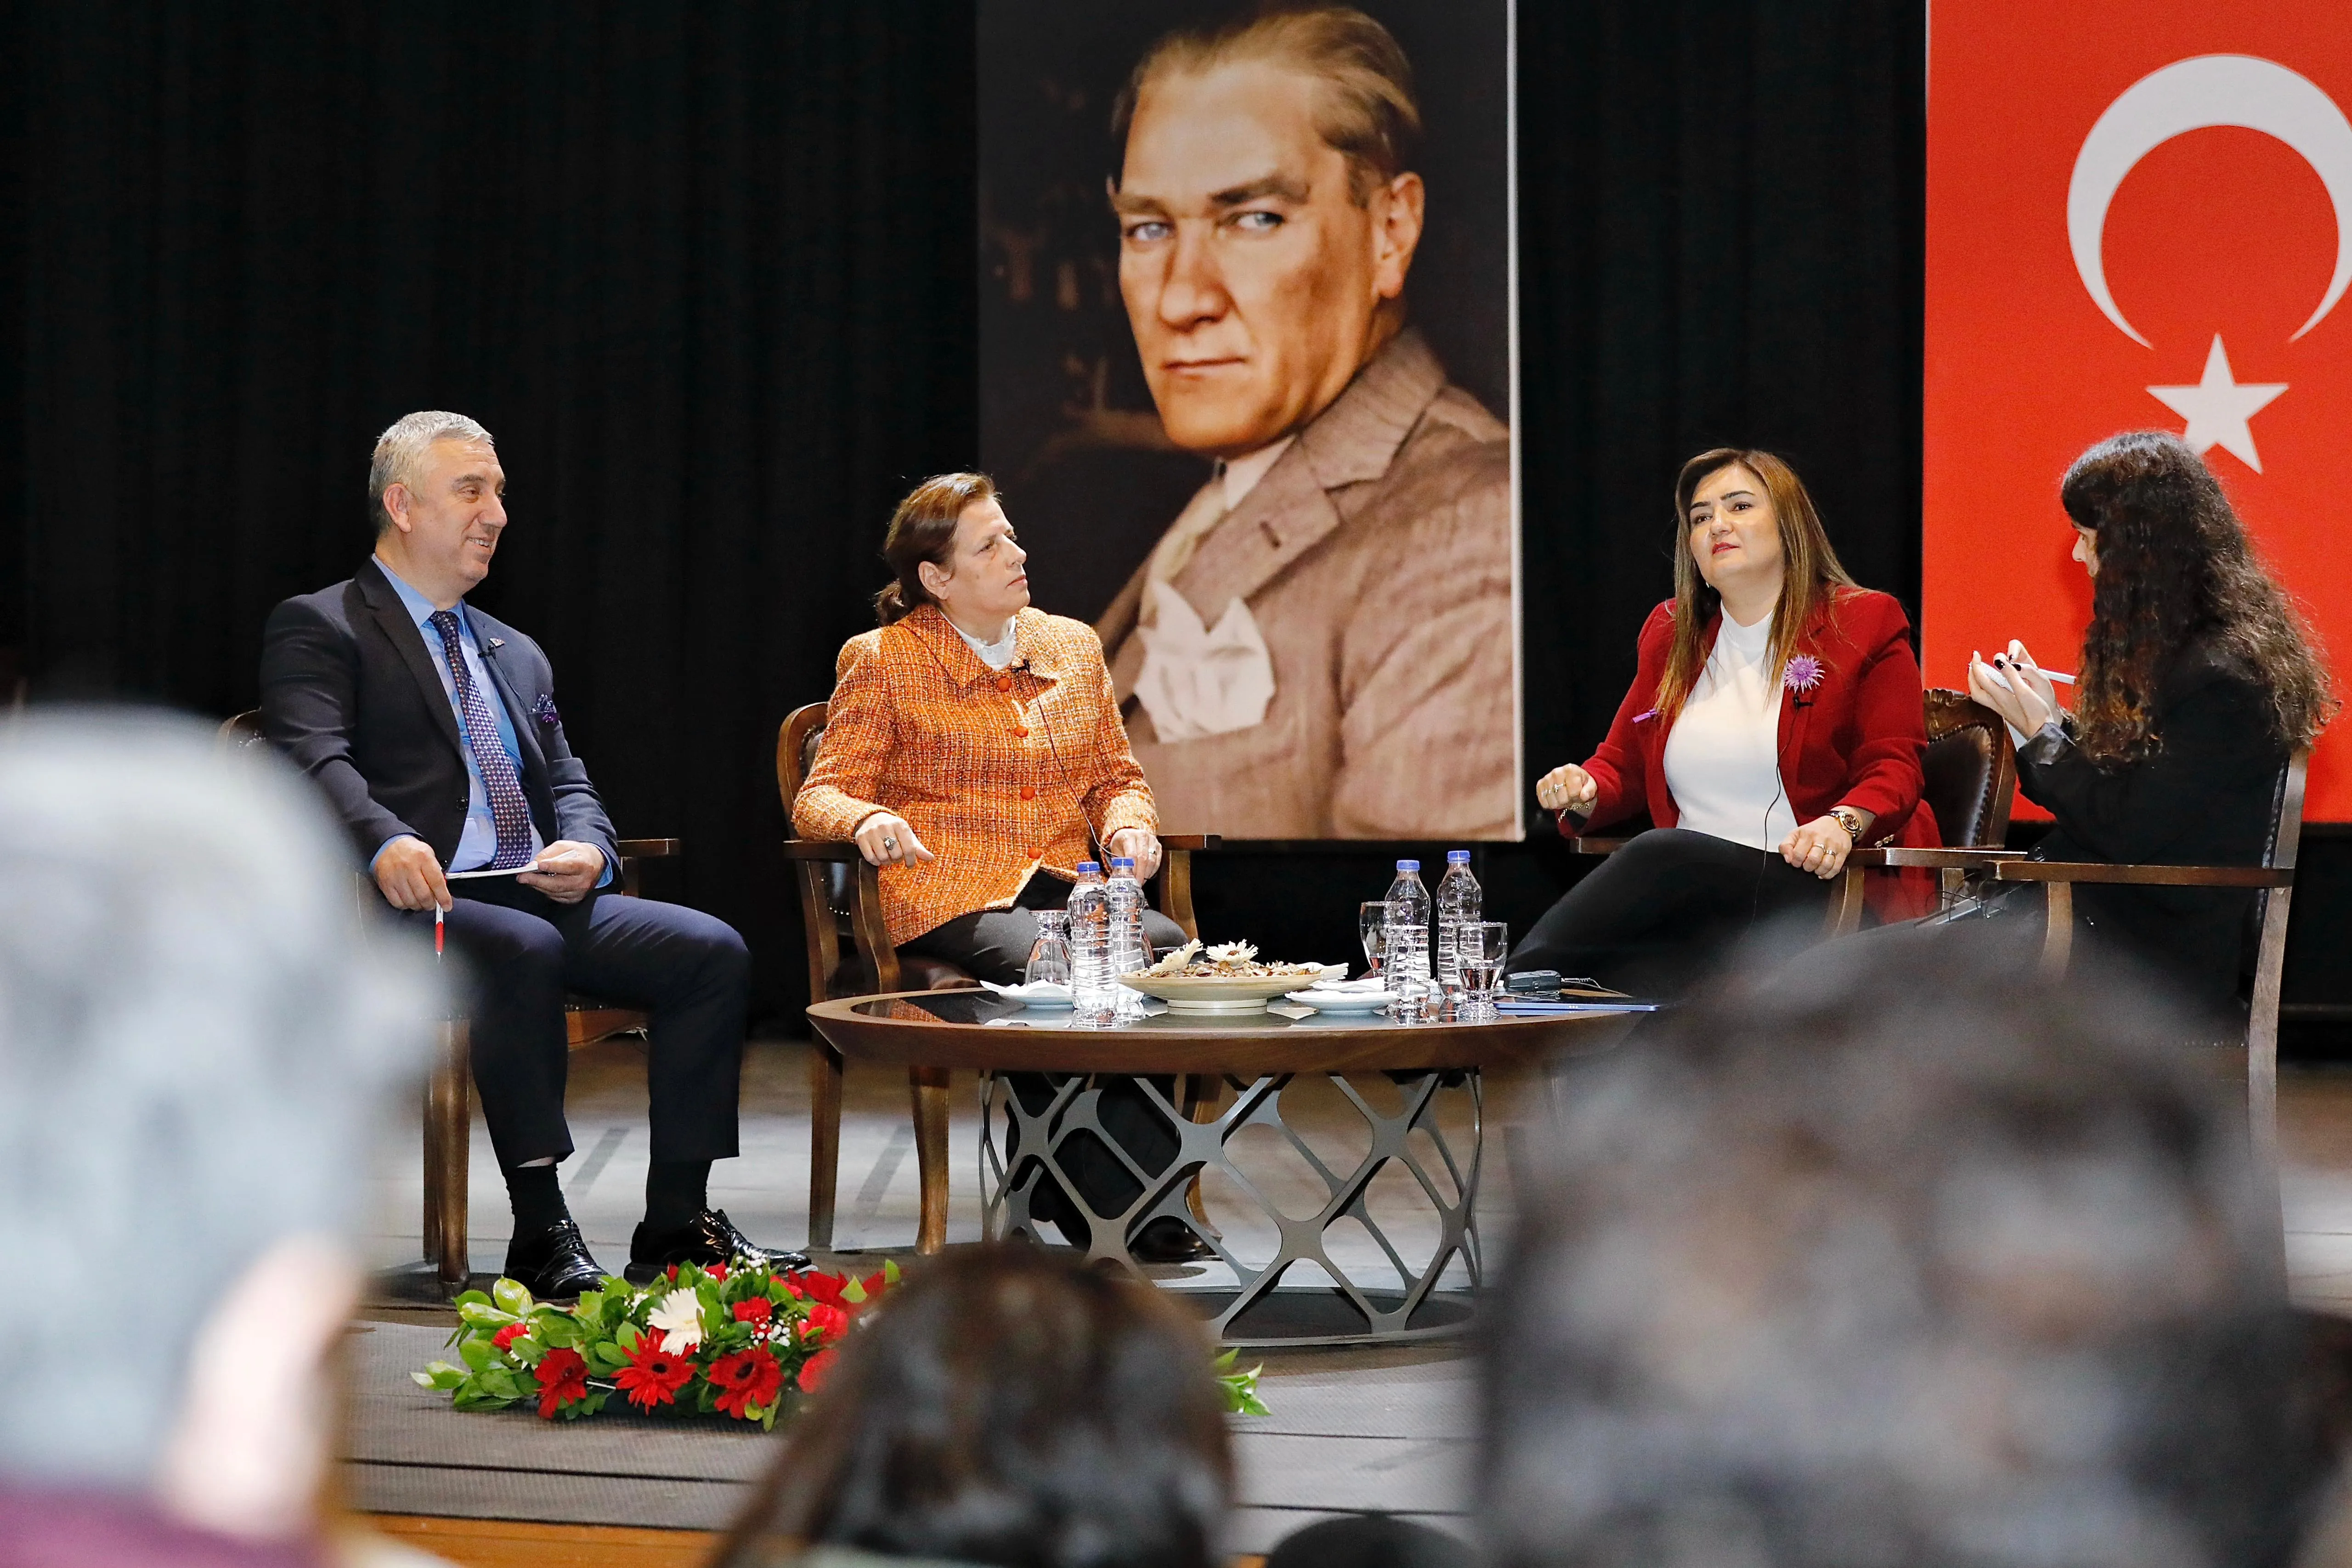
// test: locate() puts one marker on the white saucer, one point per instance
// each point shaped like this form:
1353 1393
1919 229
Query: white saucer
1340 1001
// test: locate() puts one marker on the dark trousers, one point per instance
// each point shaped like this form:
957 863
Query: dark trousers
994 945
1660 913
523 951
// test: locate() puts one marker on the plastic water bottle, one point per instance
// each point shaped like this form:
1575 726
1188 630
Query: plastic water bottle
1459 903
1407 954
1089 909
1124 896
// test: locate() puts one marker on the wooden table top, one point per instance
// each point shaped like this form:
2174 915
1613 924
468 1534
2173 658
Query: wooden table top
973 1029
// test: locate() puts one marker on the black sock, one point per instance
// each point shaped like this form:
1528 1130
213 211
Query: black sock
675 1191
537 1200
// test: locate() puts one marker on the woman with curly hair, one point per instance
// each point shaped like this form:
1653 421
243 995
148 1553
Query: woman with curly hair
2199 679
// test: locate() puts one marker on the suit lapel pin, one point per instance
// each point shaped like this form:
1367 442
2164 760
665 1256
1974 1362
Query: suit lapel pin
497 643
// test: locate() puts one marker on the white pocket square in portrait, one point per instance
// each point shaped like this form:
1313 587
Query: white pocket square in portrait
1196 681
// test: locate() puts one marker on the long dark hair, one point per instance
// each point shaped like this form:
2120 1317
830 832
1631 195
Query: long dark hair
1811 574
1012 1407
923 530
2176 568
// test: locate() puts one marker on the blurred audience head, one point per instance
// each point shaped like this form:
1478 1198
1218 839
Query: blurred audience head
1008 1406
1899 1258
195 1051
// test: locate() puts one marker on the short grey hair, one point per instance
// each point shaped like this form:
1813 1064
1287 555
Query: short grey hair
197 1039
400 452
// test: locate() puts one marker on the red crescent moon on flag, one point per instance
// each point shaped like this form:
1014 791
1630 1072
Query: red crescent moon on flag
2239 90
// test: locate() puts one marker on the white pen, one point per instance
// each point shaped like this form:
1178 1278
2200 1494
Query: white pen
2056 677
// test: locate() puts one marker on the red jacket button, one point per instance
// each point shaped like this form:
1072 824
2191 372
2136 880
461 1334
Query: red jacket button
1020 733
1005 683
1027 793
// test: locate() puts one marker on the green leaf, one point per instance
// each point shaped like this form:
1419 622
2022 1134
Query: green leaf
889 1270
628 1336
505 1383
479 1354
854 1292
439 1374
471 1298
1226 1361
512 1296
1240 1389
605 1358
555 1332
482 1315
527 1350
591 1306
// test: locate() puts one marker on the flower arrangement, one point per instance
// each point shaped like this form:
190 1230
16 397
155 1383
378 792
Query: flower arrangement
733 1342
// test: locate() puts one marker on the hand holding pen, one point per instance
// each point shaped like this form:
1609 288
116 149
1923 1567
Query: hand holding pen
2013 686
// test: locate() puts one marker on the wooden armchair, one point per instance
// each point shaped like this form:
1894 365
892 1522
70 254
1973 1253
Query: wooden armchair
449 1085
849 955
1971 783
2274 882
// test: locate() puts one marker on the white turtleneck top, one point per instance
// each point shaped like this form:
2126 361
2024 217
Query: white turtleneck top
1723 755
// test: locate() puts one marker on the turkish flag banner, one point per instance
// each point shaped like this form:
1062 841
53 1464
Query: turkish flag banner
2139 217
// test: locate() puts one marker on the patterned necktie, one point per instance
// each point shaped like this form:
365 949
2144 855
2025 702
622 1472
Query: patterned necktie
509 808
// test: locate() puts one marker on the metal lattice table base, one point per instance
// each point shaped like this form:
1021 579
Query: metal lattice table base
1258 1313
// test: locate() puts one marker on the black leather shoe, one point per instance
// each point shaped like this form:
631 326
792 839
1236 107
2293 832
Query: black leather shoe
554 1265
708 1237
1168 1240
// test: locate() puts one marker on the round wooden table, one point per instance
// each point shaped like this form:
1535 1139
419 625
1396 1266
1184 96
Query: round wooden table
932 1033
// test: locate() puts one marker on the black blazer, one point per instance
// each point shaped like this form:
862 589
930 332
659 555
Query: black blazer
2203 799
349 693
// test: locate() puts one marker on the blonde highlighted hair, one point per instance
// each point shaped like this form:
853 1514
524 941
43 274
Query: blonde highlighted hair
1810 573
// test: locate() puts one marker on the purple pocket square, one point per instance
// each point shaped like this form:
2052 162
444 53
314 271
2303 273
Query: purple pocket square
545 711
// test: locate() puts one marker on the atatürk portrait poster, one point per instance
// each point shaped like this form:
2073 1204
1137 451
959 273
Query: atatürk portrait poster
1247 383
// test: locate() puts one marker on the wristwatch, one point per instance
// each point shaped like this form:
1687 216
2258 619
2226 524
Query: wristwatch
1849 819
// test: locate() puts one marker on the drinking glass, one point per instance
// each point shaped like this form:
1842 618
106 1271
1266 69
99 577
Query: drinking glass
1372 931
1049 956
1481 947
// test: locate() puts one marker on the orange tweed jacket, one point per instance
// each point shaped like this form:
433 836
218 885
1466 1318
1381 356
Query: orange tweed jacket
1000 774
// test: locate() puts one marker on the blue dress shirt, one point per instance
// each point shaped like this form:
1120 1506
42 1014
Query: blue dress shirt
478 844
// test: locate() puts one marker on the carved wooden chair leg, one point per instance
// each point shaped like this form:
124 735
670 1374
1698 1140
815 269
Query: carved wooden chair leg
448 1146
929 1088
825 1141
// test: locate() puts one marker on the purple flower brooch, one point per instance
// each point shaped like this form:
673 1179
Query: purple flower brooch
545 711
1803 674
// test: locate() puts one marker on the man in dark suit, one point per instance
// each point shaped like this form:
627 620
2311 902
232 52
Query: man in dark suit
433 729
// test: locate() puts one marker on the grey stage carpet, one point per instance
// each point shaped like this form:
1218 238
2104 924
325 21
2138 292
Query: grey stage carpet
1352 1431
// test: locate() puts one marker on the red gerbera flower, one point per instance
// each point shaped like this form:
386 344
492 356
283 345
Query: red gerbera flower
716 1270
756 1311
654 1375
825 1324
508 1335
747 1379
814 1370
562 1378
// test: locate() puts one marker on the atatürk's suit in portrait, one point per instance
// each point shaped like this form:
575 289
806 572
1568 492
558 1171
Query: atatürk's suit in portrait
1373 560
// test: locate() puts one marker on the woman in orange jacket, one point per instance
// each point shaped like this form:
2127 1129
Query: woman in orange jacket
973 751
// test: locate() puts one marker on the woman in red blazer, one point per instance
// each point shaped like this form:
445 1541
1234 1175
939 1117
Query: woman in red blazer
1774 724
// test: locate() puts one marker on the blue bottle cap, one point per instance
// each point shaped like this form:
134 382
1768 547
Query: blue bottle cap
1088 868
1408 865
1457 857
1121 863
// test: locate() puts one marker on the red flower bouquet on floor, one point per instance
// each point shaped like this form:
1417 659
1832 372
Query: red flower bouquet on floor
715 1342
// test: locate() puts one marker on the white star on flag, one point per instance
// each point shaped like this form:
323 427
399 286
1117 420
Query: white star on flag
2218 407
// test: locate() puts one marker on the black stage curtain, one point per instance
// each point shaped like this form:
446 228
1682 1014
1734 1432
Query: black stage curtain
708 273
